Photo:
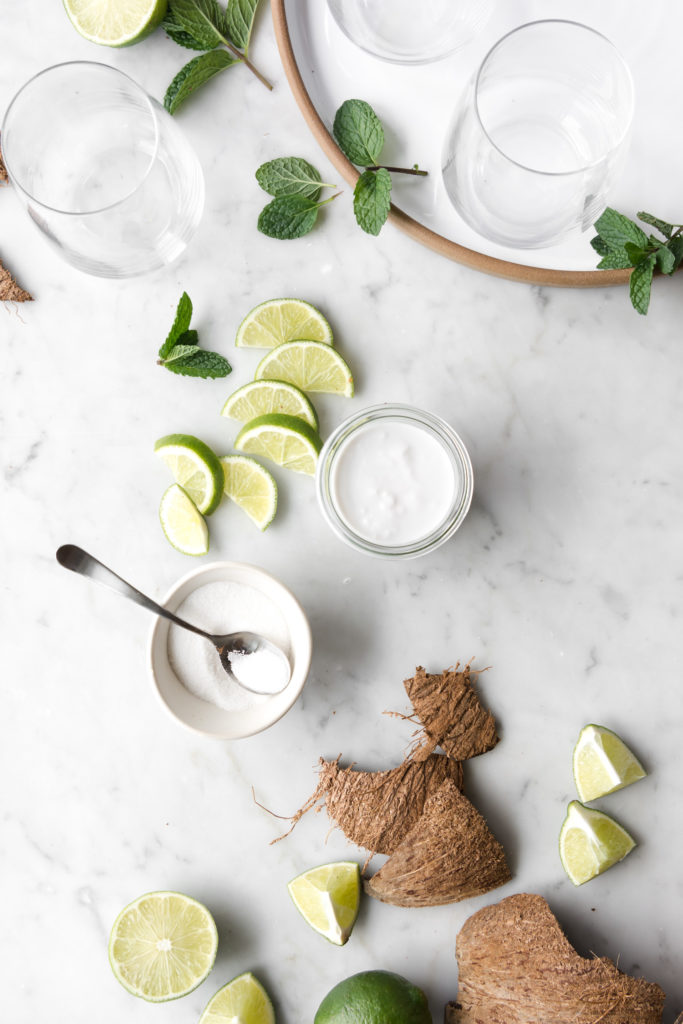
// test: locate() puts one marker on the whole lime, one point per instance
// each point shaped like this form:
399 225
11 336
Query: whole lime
374 997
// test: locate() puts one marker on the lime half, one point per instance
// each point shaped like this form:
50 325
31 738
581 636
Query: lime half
309 365
591 842
182 522
279 320
285 440
328 898
251 487
195 467
242 1001
115 22
260 397
603 763
162 945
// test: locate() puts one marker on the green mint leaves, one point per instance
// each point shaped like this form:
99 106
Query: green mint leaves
621 243
290 176
223 34
296 186
360 136
181 352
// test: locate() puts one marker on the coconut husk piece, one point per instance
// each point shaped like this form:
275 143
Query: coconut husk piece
4 177
448 855
451 714
10 290
377 809
517 967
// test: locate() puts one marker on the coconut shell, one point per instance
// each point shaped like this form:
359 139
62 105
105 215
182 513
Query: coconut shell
448 855
515 966
4 177
451 714
10 290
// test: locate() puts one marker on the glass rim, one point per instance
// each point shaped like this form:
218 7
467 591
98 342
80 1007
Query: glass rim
459 458
532 24
83 64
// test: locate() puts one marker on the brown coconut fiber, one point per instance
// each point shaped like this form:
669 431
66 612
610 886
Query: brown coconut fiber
451 714
448 855
10 290
517 967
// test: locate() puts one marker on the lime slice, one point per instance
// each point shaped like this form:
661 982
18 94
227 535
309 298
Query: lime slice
260 397
280 320
242 1001
328 898
591 842
195 467
162 945
251 487
285 440
182 523
115 22
308 364
603 763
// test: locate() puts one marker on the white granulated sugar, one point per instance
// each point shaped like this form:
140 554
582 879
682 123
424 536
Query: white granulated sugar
223 607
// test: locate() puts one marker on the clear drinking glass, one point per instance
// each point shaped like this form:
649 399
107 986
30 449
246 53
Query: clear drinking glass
540 135
405 33
102 169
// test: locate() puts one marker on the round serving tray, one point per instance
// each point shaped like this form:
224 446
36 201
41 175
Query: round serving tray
312 54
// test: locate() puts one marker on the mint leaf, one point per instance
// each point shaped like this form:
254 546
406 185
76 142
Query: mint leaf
666 261
289 176
614 259
372 199
201 364
178 34
640 284
181 323
600 246
203 20
288 217
240 21
617 230
635 252
196 73
675 246
665 228
359 132
180 352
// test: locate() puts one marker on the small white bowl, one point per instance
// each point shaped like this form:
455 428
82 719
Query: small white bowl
198 714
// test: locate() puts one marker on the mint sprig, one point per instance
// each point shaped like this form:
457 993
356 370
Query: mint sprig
224 35
181 352
372 199
290 216
621 243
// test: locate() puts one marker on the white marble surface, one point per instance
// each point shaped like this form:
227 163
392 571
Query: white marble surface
565 580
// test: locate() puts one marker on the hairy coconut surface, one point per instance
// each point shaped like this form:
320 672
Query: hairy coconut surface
517 967
10 290
451 713
4 178
448 855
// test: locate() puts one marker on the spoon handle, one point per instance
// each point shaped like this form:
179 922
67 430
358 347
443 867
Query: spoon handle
78 560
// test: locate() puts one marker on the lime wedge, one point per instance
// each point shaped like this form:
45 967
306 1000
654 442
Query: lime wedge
591 842
285 440
279 320
242 1001
328 898
162 945
603 763
260 397
182 523
251 487
308 364
115 22
195 467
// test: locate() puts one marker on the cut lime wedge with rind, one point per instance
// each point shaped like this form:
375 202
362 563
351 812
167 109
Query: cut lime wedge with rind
603 763
162 946
310 365
328 898
260 397
591 842
182 522
115 22
278 320
285 440
252 487
195 467
242 1001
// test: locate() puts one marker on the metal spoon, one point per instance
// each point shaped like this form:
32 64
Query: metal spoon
231 646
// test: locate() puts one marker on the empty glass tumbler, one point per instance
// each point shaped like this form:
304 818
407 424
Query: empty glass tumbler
540 135
102 169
